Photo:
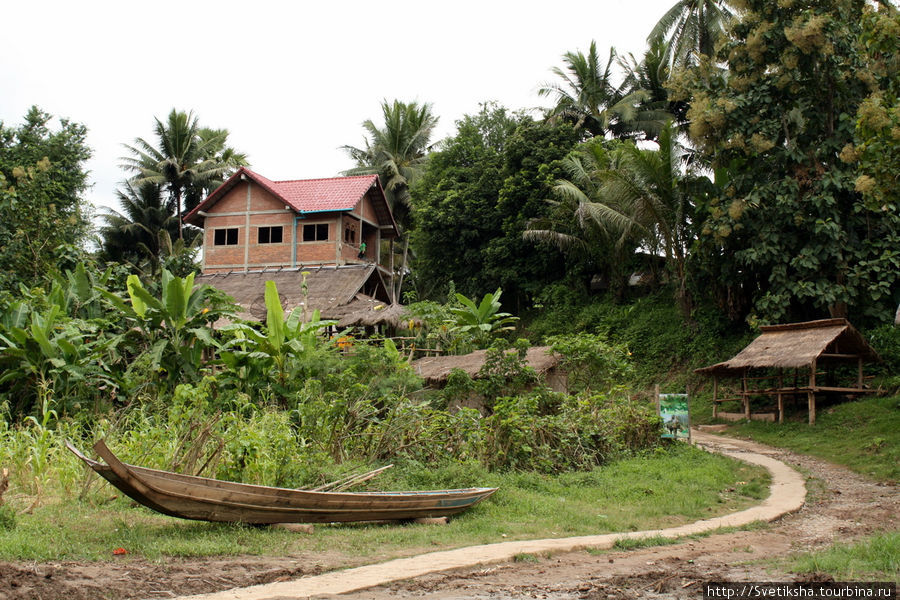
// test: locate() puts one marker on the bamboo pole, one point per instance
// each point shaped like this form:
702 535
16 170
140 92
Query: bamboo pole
350 480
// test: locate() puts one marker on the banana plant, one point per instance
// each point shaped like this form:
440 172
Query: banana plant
176 326
285 346
481 321
46 350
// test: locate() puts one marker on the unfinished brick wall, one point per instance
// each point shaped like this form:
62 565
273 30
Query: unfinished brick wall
265 210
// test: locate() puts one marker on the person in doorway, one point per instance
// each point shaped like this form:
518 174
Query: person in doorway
362 250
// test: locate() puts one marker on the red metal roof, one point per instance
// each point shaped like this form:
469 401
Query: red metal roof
315 195
304 195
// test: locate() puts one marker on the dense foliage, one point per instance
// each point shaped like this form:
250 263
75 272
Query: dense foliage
789 231
475 200
43 215
743 170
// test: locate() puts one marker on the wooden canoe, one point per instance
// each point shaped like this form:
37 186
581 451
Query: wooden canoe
204 499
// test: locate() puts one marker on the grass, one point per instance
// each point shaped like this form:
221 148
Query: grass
860 435
672 486
875 558
644 542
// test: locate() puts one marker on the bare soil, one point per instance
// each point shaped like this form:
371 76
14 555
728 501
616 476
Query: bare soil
841 506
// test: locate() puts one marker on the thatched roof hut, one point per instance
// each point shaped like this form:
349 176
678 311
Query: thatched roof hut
796 347
435 369
350 294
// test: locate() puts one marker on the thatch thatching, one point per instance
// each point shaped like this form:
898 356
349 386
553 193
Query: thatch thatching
796 345
435 369
351 294
369 312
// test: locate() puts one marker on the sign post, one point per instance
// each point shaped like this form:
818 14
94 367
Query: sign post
674 411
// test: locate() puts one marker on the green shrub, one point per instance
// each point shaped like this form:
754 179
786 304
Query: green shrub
7 517
591 363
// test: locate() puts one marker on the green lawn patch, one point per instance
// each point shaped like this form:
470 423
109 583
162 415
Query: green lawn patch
875 558
667 487
861 435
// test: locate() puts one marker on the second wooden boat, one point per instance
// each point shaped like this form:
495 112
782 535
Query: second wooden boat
205 499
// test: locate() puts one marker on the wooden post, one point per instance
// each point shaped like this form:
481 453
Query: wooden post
812 375
780 396
715 396
745 397
859 373
811 394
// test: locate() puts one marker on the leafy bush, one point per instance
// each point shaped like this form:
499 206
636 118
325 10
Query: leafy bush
552 432
591 363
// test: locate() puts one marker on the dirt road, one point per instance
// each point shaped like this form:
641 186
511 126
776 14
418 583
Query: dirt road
840 507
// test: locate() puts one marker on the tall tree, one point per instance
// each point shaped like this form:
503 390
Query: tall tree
790 231
455 204
134 234
693 28
187 160
396 151
479 191
652 191
43 215
627 197
649 77
586 96
579 224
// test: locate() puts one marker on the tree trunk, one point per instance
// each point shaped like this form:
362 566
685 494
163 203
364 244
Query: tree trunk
178 210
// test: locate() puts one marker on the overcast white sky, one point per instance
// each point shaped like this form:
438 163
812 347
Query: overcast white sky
292 82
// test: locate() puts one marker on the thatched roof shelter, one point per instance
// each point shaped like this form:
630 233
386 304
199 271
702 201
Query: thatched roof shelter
435 369
798 345
350 294
807 346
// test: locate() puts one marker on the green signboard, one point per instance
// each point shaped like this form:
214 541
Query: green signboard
676 418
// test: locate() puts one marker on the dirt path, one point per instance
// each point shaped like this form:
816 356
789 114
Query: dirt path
842 507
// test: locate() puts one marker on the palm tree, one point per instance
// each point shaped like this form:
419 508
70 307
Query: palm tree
397 151
653 191
587 96
651 76
187 160
134 234
628 197
692 27
579 223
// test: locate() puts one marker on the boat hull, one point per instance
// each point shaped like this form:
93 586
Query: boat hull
204 499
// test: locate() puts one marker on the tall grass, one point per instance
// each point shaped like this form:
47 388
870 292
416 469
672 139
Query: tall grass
666 487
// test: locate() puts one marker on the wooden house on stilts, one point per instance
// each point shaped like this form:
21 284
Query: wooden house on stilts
796 361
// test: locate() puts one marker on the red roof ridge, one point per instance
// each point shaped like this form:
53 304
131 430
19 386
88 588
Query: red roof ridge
335 178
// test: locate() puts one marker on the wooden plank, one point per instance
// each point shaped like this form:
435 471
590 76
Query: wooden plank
780 408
